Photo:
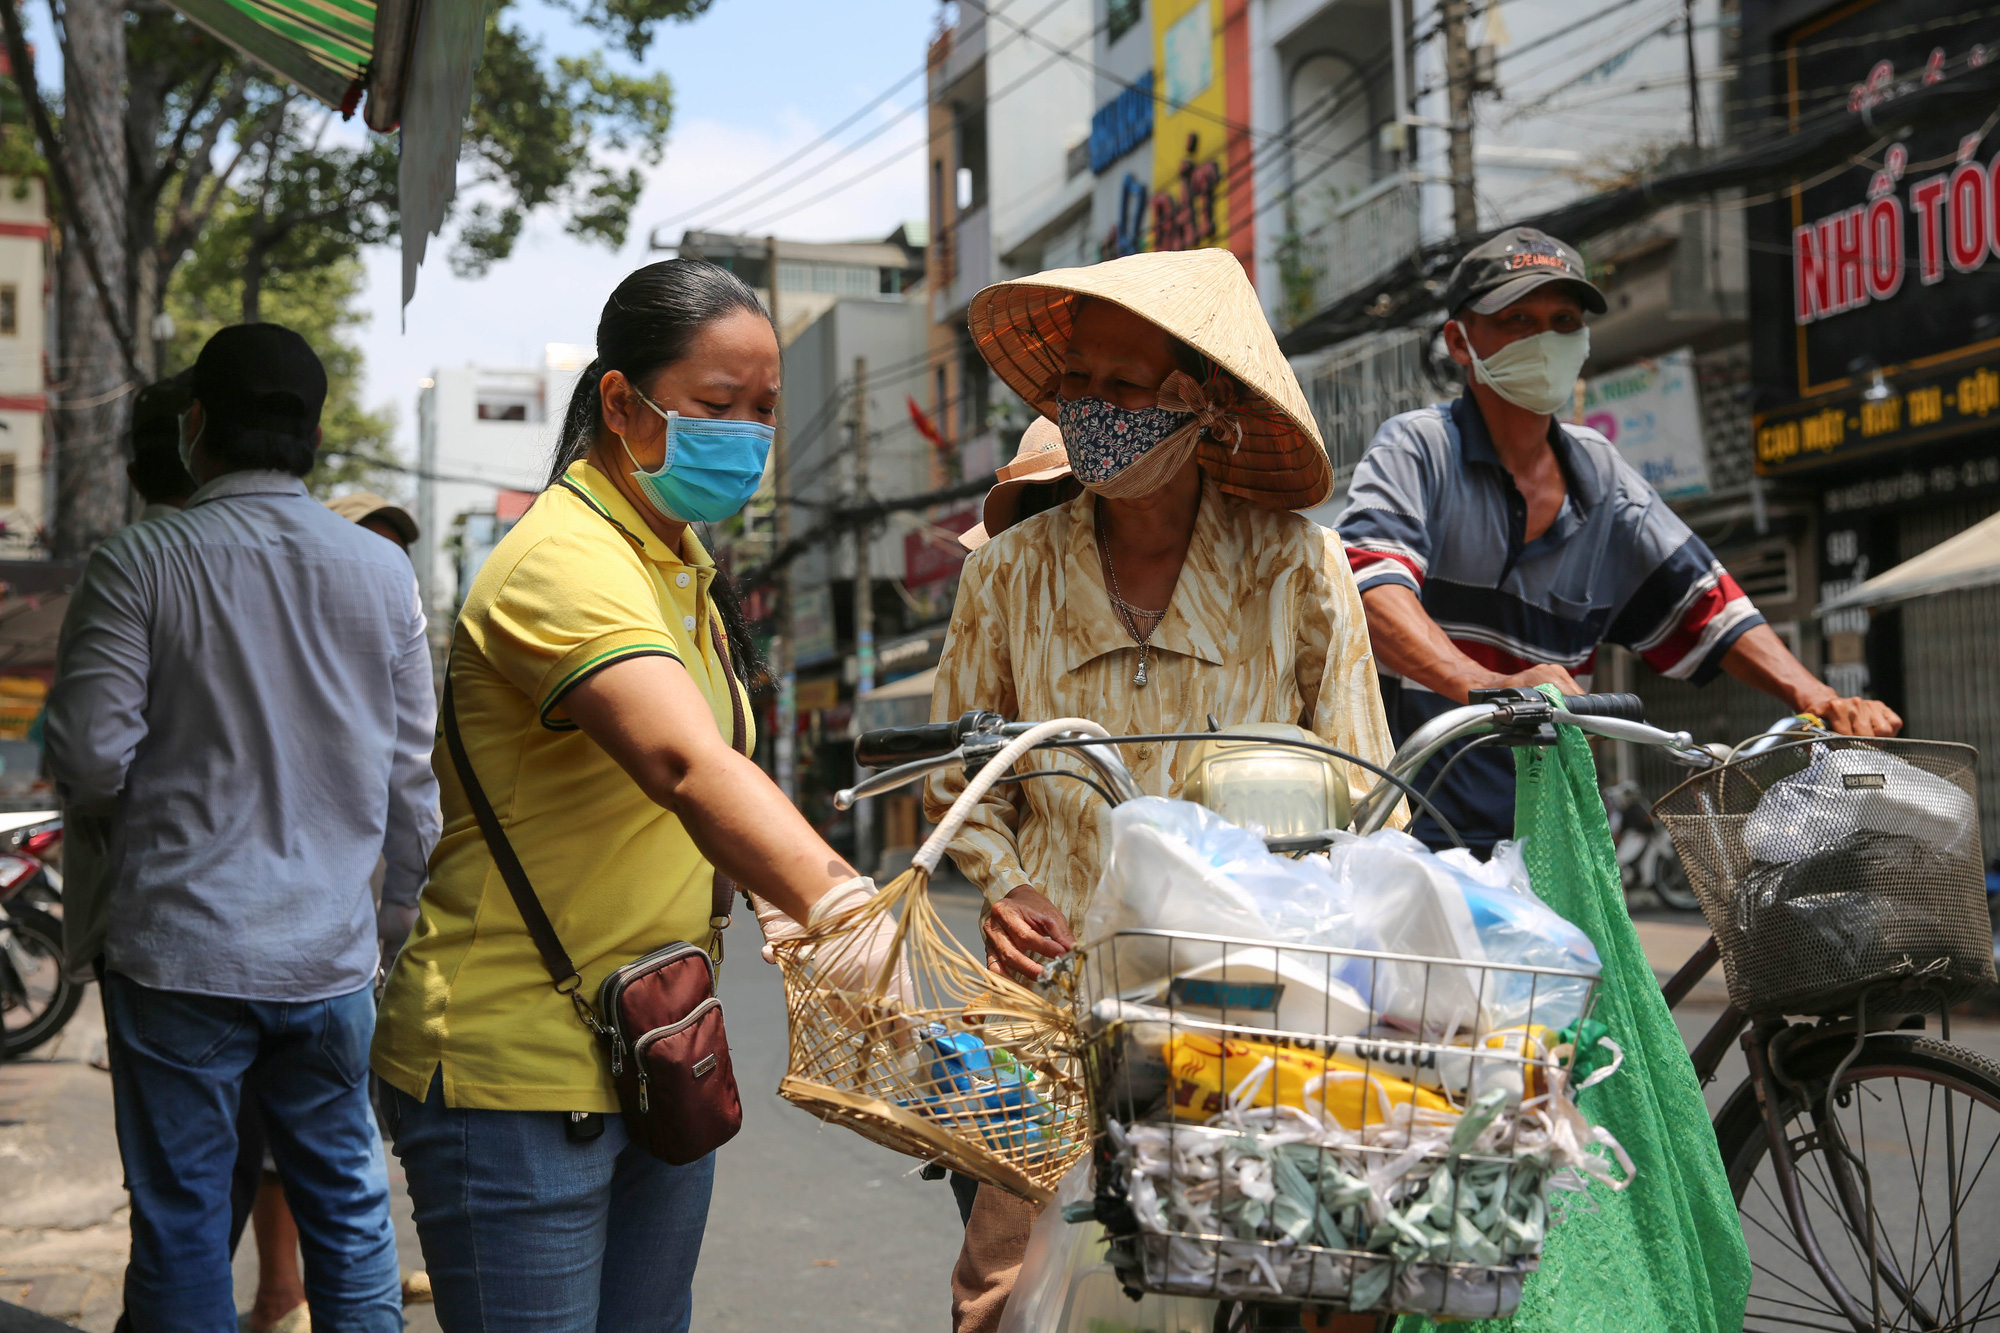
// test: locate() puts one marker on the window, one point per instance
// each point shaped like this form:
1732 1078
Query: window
7 476
1189 55
1123 16
502 395
10 310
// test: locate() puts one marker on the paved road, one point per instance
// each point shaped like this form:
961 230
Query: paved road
812 1227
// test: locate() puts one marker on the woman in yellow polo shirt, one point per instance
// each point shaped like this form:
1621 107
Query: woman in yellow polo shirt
604 715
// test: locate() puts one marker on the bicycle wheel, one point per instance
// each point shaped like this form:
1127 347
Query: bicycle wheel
1923 1118
1670 881
36 998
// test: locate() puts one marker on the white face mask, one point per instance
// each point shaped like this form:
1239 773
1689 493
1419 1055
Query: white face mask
1536 374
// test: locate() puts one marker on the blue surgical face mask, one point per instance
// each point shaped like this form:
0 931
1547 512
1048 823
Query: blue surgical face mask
711 469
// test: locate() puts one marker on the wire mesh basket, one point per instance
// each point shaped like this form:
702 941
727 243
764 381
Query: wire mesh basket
1297 1124
1839 867
901 1035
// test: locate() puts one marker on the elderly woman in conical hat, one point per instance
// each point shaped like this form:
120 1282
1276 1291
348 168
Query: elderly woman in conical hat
1177 585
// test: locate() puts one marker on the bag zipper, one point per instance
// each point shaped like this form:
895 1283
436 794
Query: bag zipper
658 1034
615 984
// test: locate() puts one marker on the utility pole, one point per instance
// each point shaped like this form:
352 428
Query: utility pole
1694 78
864 602
782 745
1458 78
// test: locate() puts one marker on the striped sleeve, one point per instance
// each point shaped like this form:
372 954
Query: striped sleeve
1384 528
1687 611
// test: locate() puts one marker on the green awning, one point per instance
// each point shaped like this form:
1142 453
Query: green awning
339 34
412 59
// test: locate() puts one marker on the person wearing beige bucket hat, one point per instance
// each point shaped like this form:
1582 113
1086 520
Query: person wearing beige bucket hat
1176 585
1037 478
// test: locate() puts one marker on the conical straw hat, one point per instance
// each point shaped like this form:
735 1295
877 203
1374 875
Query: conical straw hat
1202 297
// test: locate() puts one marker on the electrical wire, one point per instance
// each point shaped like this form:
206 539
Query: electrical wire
1459 754
714 201
1084 778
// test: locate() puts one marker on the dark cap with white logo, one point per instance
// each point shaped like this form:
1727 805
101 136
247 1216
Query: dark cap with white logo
1499 272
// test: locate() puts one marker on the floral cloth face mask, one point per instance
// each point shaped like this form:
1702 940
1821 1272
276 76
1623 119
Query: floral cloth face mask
1121 452
1104 439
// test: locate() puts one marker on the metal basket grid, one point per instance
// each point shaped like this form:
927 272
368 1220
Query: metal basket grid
1144 1091
1836 867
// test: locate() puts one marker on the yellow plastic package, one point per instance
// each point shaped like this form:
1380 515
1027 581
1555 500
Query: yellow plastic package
1204 1072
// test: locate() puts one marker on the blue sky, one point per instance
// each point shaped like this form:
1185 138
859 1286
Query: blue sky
754 80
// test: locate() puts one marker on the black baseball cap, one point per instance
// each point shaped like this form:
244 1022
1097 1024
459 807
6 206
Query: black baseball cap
259 377
1498 272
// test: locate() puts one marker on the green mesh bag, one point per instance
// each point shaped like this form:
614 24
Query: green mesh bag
1667 1253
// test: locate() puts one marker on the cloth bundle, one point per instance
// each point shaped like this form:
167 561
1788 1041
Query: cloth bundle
1298 1201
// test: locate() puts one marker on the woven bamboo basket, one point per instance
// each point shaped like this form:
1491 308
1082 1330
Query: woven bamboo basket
924 1049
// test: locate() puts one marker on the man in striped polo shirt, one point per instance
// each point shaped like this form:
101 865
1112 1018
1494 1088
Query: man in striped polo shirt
1495 545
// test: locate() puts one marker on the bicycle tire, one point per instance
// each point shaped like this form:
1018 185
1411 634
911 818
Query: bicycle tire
41 934
1785 1292
1670 881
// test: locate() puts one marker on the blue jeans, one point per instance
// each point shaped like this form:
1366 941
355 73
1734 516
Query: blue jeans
179 1066
527 1229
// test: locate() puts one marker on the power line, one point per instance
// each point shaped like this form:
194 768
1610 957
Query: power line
824 139
925 143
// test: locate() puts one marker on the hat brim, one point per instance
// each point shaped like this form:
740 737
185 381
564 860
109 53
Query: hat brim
1512 290
1023 327
1002 507
396 517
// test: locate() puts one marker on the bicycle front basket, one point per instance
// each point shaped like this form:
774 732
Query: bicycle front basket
1835 867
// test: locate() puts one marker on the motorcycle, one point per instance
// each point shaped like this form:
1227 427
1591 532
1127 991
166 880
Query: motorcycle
1646 856
37 996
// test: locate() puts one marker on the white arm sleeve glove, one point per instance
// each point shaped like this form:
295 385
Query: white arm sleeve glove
778 927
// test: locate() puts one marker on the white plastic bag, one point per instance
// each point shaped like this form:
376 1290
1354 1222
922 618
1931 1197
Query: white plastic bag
1844 791
1516 926
1178 866
1406 901
1065 1286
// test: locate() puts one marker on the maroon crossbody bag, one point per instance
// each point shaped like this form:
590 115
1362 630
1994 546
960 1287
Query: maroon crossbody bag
659 1016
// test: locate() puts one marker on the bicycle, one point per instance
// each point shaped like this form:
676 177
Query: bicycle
1793 1137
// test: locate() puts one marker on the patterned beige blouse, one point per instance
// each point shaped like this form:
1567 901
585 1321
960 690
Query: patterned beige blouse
1265 626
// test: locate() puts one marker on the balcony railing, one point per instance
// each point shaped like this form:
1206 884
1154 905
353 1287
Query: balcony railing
1360 240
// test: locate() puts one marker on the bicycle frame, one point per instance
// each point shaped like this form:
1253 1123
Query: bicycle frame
1763 1042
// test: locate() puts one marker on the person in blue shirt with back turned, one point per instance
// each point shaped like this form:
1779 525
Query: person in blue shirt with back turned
243 692
1495 545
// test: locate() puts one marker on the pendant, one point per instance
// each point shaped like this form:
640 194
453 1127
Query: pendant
1139 678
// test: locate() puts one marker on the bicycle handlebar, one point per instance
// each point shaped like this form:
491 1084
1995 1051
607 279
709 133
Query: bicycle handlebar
886 747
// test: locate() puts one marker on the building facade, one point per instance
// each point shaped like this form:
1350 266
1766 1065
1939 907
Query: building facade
27 481
1876 350
481 430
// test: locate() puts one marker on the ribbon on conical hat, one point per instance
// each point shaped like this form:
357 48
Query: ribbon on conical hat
1202 297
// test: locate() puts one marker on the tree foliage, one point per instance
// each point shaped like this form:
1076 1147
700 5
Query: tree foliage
213 142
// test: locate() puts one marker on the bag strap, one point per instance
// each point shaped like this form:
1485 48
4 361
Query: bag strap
721 897
563 973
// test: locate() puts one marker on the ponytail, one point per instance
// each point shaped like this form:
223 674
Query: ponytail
581 421
649 323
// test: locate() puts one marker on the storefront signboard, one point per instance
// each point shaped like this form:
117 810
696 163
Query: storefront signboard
1652 412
